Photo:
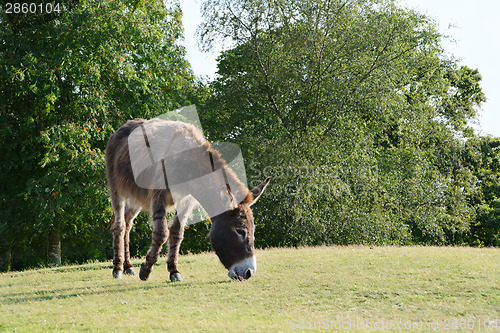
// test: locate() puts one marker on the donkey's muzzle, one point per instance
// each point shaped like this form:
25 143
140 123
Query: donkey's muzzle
243 270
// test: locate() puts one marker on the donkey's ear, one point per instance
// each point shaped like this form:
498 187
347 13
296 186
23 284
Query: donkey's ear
257 192
227 199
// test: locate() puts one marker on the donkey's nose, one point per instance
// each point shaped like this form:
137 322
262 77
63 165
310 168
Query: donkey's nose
243 270
248 274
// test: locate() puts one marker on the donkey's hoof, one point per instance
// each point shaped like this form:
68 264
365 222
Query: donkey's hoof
117 274
130 271
175 277
144 273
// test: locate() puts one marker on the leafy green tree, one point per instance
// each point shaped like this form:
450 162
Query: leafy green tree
68 80
353 109
483 155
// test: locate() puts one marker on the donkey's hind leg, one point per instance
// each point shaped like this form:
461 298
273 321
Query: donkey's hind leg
118 236
130 215
176 234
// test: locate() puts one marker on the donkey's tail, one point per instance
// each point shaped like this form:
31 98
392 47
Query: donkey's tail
112 223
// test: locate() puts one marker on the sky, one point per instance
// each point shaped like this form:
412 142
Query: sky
474 27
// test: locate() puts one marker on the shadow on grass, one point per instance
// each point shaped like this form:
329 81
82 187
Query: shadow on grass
65 293
60 269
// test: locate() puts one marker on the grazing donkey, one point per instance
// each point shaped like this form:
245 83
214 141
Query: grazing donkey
232 230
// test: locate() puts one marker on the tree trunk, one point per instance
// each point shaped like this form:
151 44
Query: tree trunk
54 248
5 255
5 261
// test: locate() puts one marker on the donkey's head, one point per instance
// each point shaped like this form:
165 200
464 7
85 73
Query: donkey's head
232 233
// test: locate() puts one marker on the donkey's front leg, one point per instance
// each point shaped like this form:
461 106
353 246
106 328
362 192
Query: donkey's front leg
159 237
175 236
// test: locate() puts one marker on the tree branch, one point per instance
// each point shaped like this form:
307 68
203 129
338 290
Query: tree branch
261 64
320 61
372 68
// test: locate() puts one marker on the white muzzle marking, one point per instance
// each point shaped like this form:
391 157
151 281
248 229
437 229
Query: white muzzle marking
244 269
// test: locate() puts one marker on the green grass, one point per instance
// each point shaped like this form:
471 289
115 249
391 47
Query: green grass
352 286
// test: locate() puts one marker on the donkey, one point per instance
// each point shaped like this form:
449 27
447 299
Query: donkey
232 231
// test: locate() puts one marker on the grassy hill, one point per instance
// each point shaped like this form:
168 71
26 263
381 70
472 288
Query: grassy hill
326 288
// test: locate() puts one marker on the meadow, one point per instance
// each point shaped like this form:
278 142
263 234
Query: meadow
355 289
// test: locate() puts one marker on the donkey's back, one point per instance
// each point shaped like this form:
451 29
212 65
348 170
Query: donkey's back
119 171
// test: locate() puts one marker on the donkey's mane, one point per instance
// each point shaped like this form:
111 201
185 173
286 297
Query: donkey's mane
220 163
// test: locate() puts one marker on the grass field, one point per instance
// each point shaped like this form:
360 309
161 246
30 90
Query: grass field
357 289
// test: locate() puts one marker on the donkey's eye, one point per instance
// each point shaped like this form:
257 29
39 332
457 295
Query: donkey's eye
242 233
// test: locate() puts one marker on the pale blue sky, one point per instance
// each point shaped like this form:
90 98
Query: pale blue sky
474 25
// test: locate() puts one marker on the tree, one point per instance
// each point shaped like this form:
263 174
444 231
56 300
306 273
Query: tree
68 80
483 155
356 113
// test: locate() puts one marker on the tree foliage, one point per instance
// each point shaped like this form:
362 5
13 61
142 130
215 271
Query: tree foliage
354 110
483 155
67 81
